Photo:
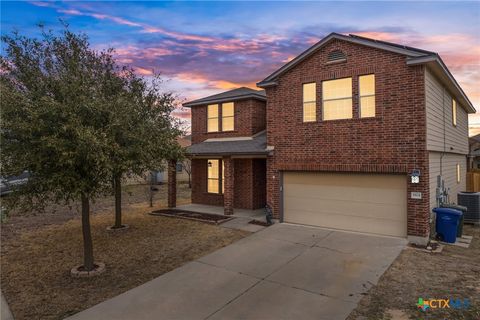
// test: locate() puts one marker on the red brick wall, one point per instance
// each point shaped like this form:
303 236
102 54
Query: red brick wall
243 183
259 183
393 141
250 118
249 184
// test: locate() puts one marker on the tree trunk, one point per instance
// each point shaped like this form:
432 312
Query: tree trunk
151 188
117 183
189 182
87 235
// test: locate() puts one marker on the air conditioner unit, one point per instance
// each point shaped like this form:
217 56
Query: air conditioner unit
471 200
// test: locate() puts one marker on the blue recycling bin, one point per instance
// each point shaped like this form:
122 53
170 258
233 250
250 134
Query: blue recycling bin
447 223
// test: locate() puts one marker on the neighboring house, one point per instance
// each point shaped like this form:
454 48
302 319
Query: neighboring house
183 168
335 137
474 154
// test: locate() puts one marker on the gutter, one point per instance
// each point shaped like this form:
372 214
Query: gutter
229 99
264 153
437 61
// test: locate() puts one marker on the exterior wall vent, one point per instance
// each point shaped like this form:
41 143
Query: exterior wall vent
336 56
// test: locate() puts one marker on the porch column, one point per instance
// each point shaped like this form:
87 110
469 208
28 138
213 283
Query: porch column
228 185
172 183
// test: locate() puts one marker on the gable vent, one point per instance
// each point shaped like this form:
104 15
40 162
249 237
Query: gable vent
336 55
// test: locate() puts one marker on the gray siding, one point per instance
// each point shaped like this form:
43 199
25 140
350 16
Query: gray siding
449 173
455 137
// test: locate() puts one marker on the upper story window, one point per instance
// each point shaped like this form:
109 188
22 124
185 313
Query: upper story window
309 102
228 116
212 118
337 99
366 90
454 112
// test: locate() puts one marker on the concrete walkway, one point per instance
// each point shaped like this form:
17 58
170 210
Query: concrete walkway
245 213
5 313
281 272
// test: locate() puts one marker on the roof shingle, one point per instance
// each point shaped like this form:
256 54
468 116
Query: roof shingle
231 95
256 145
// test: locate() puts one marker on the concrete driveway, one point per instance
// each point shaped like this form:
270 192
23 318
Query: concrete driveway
282 272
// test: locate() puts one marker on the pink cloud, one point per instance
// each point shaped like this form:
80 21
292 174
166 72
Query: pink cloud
70 12
41 4
216 84
143 71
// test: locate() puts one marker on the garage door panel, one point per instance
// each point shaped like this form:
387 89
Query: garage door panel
341 194
364 180
362 224
372 203
334 207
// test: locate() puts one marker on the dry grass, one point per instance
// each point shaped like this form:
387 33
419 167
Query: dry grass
453 273
132 195
36 265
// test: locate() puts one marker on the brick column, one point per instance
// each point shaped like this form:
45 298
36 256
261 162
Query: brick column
172 183
228 184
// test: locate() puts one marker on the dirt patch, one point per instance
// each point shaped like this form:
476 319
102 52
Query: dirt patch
453 273
36 262
197 216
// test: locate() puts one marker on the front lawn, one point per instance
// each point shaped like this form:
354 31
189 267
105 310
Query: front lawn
453 273
36 262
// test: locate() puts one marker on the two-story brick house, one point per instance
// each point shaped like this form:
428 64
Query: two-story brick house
335 138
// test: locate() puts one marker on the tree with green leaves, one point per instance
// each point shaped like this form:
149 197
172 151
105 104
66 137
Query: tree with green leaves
74 119
54 122
143 131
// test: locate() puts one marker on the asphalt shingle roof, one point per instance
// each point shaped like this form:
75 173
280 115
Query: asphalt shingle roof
257 145
231 95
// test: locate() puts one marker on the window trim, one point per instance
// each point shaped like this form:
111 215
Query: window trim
220 176
454 112
337 99
306 102
217 117
360 96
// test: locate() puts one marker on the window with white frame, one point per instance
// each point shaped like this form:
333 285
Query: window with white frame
366 90
309 102
337 99
212 118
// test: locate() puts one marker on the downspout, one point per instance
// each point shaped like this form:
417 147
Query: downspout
444 131
441 199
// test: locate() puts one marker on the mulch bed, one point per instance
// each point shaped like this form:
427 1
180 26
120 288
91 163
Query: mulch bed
196 216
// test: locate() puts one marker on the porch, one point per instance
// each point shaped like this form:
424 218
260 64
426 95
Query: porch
257 214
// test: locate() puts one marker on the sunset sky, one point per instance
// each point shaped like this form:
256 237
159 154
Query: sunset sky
208 47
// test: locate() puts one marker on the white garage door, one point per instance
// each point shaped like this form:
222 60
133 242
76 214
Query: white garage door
373 203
